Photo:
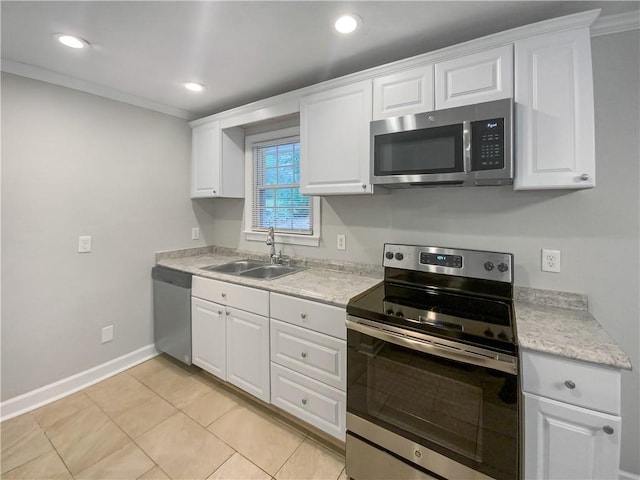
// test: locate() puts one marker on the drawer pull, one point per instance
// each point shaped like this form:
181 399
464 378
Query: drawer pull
303 316
569 384
303 354
224 295
219 312
304 402
228 312
608 430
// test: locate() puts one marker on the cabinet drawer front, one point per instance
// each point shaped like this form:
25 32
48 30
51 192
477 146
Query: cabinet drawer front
582 384
320 405
313 315
314 354
238 296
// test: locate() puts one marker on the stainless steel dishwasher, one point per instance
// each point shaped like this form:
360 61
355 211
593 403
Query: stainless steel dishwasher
172 312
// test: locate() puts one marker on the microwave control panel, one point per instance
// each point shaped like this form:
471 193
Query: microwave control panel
487 139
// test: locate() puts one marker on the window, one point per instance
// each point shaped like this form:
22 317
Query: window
277 201
273 195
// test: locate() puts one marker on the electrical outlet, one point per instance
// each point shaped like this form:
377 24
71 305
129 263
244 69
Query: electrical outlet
195 233
84 244
107 334
550 260
341 241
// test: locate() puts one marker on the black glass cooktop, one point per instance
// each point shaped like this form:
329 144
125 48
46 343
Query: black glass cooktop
456 313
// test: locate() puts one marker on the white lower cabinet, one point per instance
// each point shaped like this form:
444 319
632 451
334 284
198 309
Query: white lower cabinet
567 442
229 341
208 343
247 351
571 419
308 362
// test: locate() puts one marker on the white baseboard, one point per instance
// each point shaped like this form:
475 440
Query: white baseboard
54 391
627 476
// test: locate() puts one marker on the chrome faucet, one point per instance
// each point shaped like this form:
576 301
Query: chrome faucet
276 258
271 241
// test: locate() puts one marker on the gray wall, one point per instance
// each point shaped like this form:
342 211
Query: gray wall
596 230
74 163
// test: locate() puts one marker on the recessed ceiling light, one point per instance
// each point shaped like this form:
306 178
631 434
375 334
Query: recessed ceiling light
72 42
194 87
347 23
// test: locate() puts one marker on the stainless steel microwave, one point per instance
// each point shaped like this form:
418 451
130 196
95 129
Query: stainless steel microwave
462 146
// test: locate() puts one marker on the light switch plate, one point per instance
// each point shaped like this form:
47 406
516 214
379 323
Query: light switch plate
107 334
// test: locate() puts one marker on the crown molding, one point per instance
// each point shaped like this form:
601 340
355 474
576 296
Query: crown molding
620 22
49 76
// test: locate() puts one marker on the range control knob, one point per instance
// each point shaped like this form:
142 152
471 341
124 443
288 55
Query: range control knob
488 332
503 267
503 336
488 266
399 256
389 255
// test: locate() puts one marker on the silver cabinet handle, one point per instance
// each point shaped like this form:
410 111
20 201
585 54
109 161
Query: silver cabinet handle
214 192
303 316
224 295
364 186
569 384
608 430
219 312
584 177
304 401
303 354
228 312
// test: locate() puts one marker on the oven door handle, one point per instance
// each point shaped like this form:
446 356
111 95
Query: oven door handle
496 361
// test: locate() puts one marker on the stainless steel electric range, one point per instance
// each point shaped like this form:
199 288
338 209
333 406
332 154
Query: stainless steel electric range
432 373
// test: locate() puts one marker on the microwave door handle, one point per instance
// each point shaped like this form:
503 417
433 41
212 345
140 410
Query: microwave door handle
466 145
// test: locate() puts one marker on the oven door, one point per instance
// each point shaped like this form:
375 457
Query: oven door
450 412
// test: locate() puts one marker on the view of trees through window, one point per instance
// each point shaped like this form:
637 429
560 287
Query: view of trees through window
278 202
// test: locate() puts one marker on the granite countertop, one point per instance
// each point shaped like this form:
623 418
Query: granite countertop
550 322
328 282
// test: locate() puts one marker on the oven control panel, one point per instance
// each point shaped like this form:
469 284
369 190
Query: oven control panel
450 261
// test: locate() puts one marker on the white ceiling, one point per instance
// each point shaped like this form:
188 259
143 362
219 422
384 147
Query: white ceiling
142 51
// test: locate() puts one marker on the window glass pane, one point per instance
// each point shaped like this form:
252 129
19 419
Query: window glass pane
283 218
267 198
270 156
285 154
283 197
285 175
266 217
270 176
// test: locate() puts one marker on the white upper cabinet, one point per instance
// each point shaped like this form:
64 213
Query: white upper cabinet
217 161
334 140
403 93
554 111
480 77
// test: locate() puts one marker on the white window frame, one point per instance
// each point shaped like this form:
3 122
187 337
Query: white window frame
284 238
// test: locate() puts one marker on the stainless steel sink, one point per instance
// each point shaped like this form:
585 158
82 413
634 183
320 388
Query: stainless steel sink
236 267
254 269
270 271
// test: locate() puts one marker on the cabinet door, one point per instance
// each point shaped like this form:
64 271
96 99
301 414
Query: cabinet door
205 160
208 330
554 111
564 442
402 93
477 78
334 141
248 352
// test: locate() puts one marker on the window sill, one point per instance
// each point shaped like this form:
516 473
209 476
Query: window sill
284 238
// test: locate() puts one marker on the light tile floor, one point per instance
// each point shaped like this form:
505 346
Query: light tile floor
159 420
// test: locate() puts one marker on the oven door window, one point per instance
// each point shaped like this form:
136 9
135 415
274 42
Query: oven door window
465 412
419 152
